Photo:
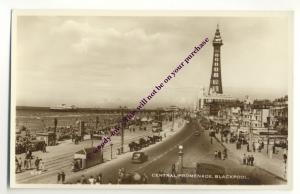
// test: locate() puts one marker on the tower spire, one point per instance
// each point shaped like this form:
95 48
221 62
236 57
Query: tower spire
215 85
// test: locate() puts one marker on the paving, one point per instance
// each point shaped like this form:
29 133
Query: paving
272 163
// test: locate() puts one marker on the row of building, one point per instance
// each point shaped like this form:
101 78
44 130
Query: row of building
257 116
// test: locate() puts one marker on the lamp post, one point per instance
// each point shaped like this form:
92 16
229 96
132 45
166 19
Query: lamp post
55 127
111 153
122 129
251 130
285 162
268 125
268 140
180 157
239 126
172 129
92 131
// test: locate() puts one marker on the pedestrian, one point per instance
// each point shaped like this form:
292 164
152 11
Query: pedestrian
219 154
249 160
225 153
91 180
28 160
25 164
20 162
173 169
44 147
284 157
248 147
83 180
17 164
165 178
58 177
252 160
174 173
97 182
259 147
119 180
244 159
145 179
42 165
63 177
100 178
37 163
253 147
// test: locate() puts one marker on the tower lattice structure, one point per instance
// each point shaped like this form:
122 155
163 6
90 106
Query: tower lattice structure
215 85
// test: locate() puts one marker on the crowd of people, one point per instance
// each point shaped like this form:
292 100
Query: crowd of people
30 162
221 155
123 177
61 177
92 180
248 160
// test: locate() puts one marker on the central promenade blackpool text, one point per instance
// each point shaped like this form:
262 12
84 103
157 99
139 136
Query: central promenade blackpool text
116 130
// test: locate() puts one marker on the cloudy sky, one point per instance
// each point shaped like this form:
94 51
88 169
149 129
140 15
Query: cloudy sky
105 61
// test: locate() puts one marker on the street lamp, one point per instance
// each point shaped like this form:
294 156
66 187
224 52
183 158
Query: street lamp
251 129
122 129
111 153
268 140
180 157
172 129
285 161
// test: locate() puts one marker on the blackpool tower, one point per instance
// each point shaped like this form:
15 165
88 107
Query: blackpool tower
215 86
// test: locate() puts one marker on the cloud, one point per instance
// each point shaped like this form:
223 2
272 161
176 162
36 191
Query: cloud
87 60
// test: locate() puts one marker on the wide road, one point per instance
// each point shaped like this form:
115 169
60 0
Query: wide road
197 149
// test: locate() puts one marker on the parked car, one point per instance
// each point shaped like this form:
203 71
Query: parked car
139 157
133 146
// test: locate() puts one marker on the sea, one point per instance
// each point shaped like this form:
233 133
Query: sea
37 119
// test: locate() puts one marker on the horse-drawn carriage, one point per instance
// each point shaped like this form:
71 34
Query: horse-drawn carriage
144 142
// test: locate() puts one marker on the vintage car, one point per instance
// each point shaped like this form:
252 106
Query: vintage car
133 146
139 157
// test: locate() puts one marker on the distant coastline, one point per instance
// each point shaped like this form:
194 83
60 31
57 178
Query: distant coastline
38 108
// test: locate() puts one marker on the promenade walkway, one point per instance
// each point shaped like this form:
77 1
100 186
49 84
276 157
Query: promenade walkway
272 163
60 157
